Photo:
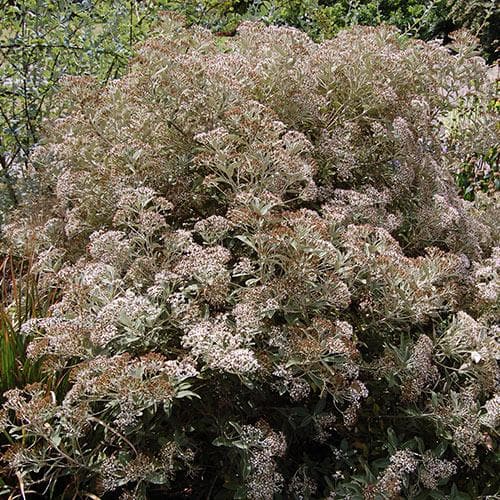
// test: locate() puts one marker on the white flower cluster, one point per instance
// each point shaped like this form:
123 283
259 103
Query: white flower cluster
247 319
134 313
213 229
264 481
492 416
297 388
434 470
356 392
207 267
422 371
143 210
63 337
220 346
110 247
487 278
402 462
324 425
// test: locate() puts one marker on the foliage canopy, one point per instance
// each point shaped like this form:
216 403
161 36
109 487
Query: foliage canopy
267 282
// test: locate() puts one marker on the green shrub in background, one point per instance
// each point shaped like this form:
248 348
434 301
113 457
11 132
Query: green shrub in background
480 174
268 286
479 169
482 17
324 18
42 40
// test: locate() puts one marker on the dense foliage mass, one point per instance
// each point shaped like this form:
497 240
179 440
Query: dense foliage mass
267 282
324 18
43 40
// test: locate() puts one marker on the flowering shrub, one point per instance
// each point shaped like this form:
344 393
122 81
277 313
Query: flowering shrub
268 282
43 40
